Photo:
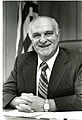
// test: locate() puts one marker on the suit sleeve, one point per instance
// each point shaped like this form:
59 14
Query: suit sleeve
73 102
10 87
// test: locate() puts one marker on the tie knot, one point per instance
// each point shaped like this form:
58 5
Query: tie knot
43 66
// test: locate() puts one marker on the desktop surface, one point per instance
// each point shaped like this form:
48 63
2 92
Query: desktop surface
16 115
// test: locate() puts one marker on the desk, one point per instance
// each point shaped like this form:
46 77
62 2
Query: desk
42 115
18 118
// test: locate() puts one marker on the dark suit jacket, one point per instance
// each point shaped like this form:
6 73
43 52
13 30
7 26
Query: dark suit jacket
65 85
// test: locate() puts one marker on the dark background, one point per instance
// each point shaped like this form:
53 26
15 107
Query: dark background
67 13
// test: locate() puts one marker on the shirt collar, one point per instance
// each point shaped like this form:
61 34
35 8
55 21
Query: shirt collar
50 62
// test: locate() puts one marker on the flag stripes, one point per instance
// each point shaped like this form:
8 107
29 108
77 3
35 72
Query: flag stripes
28 10
25 12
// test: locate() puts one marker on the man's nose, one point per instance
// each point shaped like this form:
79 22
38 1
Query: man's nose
43 38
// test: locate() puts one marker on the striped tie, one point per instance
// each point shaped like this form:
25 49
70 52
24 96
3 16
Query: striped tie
43 82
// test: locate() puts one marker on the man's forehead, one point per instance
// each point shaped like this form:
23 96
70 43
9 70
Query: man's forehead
42 23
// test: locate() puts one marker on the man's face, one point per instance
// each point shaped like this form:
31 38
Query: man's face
44 38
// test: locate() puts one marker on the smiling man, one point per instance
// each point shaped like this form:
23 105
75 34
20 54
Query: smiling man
45 37
48 78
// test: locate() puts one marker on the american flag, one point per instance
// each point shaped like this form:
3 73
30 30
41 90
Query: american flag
27 11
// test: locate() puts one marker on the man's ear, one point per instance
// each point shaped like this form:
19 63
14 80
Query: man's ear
58 35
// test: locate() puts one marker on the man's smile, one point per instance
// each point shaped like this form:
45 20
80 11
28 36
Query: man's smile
44 46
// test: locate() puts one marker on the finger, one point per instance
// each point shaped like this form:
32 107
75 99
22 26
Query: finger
27 94
20 101
30 95
19 108
26 98
25 108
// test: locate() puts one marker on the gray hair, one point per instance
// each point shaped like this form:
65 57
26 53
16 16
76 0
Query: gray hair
52 20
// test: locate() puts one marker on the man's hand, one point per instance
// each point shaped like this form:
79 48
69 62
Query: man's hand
22 103
36 104
30 103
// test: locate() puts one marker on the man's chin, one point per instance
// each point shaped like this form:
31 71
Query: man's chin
44 54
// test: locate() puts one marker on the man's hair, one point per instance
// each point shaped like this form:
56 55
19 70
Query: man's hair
52 20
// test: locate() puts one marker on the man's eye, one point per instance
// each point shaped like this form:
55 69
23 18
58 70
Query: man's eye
48 34
36 35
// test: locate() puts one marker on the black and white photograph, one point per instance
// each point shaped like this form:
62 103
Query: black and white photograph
42 60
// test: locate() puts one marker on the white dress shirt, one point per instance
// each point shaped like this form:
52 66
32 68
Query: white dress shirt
50 63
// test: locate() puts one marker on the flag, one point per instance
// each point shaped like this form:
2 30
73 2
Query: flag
27 11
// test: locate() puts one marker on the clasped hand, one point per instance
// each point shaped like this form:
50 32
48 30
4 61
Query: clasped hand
28 103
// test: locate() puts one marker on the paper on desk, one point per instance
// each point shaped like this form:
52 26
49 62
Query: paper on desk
37 115
50 115
22 114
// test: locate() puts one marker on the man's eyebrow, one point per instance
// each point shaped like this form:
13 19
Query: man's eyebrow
36 33
49 31
43 32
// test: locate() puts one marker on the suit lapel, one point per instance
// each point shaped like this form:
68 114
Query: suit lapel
29 73
57 73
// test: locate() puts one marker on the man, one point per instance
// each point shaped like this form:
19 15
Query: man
48 78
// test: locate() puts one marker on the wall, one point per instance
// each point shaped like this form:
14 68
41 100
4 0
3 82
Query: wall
9 36
68 15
